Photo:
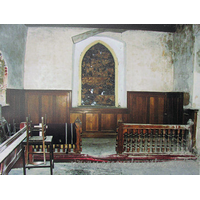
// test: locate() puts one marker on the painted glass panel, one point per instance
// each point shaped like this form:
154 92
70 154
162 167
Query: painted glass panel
98 77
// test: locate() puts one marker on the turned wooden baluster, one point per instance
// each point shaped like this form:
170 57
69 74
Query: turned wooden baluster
168 140
143 140
163 141
154 141
182 140
158 141
125 141
138 141
173 146
178 135
116 147
149 141
134 141
128 141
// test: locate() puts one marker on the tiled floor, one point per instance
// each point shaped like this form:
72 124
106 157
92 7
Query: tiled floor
106 146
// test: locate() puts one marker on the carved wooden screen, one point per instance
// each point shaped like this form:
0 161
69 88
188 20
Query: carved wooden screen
98 77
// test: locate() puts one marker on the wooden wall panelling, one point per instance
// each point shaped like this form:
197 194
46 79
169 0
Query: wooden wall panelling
16 108
108 122
47 107
55 104
142 109
92 122
161 109
98 121
74 116
120 117
138 106
60 109
32 106
156 109
174 107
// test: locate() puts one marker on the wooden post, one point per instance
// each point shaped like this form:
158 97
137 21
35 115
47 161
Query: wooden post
43 139
194 130
78 127
120 139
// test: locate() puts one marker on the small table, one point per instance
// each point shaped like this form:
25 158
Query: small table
50 163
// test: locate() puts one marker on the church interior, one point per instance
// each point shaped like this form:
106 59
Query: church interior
108 92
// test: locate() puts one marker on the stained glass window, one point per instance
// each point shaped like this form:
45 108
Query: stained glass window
98 77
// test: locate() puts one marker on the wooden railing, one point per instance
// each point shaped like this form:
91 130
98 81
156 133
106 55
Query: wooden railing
158 139
10 151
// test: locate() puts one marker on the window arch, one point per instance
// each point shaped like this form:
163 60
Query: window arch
98 81
117 49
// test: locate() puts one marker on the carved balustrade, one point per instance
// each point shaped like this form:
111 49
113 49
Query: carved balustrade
148 138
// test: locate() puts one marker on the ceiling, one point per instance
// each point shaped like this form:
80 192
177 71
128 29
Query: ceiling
146 27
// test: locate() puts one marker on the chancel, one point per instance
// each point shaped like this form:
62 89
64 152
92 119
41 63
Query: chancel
137 85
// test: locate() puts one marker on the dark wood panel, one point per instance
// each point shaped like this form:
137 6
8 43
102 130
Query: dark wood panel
174 108
55 104
92 109
138 106
161 110
47 107
15 110
156 110
92 122
74 116
155 107
32 107
108 122
142 107
60 109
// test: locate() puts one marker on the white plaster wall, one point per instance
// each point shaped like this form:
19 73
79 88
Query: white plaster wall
48 61
196 79
49 53
196 86
183 47
12 45
148 61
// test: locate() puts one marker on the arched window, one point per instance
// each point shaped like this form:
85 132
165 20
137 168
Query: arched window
98 77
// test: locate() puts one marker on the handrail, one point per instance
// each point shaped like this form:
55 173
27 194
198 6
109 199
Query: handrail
10 140
10 151
155 126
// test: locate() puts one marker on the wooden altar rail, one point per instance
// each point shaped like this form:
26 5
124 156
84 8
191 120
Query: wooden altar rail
158 139
10 151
